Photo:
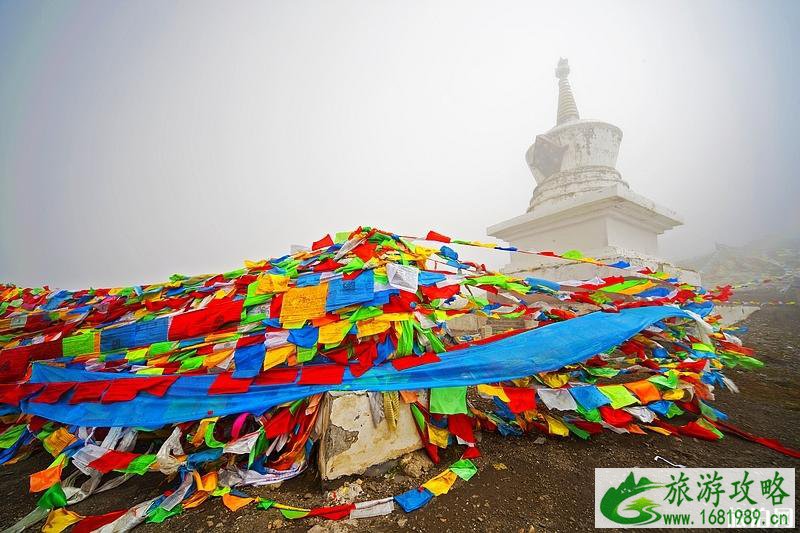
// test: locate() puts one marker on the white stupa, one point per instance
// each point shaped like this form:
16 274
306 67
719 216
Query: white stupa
581 202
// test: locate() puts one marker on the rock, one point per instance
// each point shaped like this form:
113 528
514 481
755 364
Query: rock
402 522
381 469
347 493
415 464
308 495
540 440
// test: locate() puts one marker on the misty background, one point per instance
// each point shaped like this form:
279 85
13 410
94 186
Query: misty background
138 139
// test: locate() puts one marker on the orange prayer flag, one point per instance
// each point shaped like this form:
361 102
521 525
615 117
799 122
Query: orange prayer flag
644 390
234 503
46 478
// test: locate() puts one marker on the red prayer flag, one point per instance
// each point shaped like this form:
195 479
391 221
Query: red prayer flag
126 389
277 376
113 460
333 513
203 321
89 391
433 236
433 292
321 375
460 425
227 384
53 392
324 242
91 523
410 361
279 424
12 393
472 452
520 399
615 417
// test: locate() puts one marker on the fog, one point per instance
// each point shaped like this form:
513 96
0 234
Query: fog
138 139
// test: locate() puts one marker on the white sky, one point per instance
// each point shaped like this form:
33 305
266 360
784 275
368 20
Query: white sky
138 139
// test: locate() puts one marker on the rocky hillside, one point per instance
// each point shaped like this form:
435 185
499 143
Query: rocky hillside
769 258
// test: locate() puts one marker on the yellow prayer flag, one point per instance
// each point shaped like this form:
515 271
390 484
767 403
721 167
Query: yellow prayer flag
554 381
334 333
674 394
60 519
438 436
394 317
441 484
276 356
491 390
304 303
58 440
371 327
200 434
269 283
556 427
659 430
215 358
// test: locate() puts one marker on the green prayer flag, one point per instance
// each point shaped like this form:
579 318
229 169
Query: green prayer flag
620 396
449 400
141 464
601 371
192 363
572 254
78 344
363 313
161 514
11 435
592 415
293 514
157 348
464 468
418 416
674 410
355 264
265 504
577 431
53 498
702 347
749 362
617 287
211 442
670 380
306 354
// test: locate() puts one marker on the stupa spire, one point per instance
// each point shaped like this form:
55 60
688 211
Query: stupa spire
567 109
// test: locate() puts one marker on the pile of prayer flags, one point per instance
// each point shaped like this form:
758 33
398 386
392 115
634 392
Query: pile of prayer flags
225 372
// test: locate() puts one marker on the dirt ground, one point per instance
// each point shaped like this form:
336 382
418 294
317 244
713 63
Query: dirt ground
520 485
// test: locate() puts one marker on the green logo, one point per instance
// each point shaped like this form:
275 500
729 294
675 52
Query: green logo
640 511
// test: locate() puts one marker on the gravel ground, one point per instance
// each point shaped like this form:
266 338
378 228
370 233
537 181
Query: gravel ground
524 483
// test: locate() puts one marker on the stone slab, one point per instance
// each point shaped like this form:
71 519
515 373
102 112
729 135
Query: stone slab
350 443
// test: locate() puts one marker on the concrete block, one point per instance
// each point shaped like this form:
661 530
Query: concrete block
350 443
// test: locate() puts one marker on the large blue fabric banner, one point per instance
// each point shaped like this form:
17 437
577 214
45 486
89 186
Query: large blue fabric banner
539 350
